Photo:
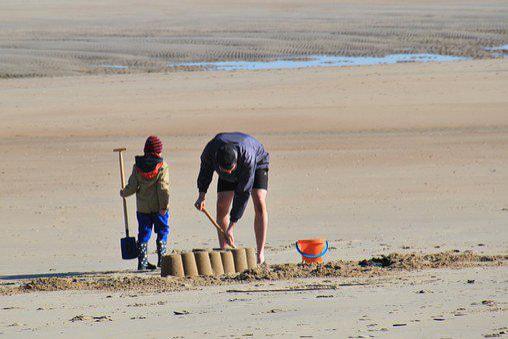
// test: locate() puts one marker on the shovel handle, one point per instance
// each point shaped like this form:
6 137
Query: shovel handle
217 226
122 181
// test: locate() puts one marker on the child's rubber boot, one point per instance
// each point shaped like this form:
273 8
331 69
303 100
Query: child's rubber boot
161 251
143 263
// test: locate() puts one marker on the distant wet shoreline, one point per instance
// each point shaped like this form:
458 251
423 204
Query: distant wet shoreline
319 61
121 39
307 61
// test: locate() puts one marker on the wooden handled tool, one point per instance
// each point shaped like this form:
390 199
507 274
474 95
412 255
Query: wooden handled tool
128 244
217 226
122 178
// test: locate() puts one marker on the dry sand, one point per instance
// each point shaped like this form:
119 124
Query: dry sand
405 158
427 304
380 159
51 37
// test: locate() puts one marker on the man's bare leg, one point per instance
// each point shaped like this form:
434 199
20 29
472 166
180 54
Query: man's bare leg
224 200
260 221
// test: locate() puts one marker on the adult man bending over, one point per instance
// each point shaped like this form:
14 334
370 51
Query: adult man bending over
242 165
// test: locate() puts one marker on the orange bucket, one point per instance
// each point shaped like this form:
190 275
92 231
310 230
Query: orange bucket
312 250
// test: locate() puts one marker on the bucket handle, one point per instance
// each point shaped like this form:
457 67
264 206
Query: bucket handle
312 256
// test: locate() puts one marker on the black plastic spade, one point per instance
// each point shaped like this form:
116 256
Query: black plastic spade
129 247
127 244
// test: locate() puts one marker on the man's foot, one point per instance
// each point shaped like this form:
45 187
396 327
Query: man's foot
228 242
265 267
231 240
261 257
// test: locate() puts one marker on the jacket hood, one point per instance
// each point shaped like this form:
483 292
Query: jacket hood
148 165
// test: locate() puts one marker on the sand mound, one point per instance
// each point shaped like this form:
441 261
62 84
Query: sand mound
372 267
114 283
377 266
413 261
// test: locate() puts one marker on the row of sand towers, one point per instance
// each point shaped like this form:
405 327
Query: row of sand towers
208 262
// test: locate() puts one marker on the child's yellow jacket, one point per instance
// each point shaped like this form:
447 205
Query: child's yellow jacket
150 185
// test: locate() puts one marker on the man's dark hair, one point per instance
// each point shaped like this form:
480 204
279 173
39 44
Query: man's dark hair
227 156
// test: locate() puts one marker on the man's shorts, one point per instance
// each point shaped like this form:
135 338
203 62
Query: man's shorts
260 182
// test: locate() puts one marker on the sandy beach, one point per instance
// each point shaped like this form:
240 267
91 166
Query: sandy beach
404 158
375 159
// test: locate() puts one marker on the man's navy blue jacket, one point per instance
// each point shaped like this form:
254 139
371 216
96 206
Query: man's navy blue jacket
251 156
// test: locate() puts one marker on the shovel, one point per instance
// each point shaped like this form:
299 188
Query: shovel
128 244
212 220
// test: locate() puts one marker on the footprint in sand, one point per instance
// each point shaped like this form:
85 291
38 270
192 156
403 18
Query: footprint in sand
489 302
184 312
82 317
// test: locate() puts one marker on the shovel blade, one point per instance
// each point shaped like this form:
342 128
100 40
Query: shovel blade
129 248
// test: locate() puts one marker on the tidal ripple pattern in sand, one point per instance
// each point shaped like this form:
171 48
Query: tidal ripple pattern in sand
74 38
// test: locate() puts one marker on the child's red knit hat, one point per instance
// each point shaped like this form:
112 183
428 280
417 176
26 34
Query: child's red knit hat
153 145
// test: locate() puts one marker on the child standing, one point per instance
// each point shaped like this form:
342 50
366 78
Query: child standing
150 181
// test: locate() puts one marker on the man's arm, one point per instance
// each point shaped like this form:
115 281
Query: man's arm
206 170
132 185
205 176
163 189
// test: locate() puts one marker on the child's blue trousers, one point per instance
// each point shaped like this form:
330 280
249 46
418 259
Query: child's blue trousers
148 220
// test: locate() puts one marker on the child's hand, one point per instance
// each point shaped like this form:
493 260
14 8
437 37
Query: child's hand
163 212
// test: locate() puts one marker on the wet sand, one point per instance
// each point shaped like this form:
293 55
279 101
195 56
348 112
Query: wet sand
49 38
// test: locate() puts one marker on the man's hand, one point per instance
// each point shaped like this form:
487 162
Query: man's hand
163 212
230 239
121 193
200 202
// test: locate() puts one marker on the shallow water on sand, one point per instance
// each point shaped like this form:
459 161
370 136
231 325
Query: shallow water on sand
498 51
320 61
498 48
115 67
